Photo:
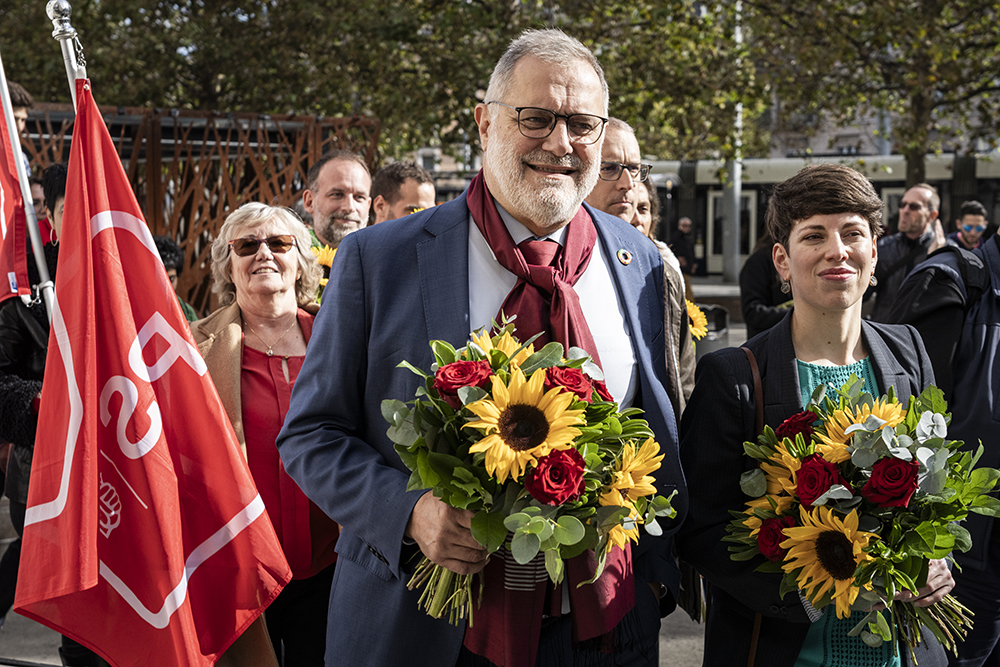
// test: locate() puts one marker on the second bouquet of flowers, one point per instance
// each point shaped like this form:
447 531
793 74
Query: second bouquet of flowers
852 500
533 444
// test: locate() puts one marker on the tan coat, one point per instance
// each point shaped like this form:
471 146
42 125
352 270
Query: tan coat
220 341
680 348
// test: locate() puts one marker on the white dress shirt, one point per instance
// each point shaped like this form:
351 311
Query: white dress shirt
490 283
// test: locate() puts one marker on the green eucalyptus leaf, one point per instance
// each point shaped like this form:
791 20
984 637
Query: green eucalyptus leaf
470 394
524 547
554 566
754 483
548 356
568 530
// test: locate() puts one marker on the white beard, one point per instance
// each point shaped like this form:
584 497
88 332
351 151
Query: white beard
547 205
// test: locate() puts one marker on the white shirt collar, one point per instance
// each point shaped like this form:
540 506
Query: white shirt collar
519 232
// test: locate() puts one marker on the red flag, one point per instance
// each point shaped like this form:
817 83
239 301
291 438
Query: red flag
145 537
13 247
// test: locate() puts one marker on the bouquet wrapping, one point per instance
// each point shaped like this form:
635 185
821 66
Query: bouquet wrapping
533 444
852 500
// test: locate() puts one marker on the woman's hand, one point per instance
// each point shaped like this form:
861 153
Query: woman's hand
939 583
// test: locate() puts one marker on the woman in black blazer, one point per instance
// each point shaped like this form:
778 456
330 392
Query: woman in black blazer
825 221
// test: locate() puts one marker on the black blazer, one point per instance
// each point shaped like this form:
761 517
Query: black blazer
718 419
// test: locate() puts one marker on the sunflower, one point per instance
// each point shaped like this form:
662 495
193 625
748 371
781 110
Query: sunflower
827 551
699 323
632 479
324 255
779 472
832 445
522 423
619 535
505 343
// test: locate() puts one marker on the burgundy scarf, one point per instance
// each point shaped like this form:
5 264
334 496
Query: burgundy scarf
506 627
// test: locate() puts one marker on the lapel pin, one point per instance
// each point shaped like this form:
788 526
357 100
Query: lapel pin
625 257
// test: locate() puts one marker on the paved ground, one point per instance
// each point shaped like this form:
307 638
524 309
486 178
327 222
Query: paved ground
23 639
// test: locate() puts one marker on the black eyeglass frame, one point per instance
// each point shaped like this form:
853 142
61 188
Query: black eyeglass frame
638 172
555 121
288 240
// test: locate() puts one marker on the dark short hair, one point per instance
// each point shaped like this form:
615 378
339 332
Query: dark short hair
391 177
54 184
170 253
822 189
971 208
654 206
19 97
340 154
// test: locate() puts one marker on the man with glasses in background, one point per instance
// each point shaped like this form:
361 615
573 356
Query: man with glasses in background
620 171
520 242
970 226
920 233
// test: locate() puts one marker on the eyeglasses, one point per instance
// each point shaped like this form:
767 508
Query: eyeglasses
248 246
974 228
536 123
913 206
612 171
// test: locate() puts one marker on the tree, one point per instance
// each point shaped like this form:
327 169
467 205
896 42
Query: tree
931 65
419 66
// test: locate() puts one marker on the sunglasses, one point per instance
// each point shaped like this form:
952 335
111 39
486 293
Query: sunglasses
913 206
974 228
246 247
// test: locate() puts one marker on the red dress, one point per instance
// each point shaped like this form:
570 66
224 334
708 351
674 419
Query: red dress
307 535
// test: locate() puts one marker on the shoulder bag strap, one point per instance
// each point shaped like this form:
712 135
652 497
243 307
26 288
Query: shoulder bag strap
758 399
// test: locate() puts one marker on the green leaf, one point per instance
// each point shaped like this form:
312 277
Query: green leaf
489 530
963 541
444 353
394 411
517 521
407 365
568 530
524 547
554 566
470 394
754 483
427 474
548 356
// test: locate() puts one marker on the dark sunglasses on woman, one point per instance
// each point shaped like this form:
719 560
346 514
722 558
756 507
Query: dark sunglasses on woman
248 246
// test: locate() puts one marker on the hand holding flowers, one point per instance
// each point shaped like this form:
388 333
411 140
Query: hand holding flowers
857 501
523 450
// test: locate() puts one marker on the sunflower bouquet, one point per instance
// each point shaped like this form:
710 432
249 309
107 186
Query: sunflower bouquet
533 443
852 499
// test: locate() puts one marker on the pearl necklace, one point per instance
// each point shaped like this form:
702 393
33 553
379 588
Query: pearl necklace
270 348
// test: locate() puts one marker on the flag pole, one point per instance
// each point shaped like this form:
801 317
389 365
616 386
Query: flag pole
58 12
45 284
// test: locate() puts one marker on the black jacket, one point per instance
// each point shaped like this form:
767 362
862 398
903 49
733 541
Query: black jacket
718 419
24 335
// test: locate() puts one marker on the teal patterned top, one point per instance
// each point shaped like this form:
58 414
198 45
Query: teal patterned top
827 643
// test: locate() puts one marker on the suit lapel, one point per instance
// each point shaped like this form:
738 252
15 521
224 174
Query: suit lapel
443 265
888 372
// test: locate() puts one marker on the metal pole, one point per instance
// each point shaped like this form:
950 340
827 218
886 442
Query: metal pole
76 67
29 210
733 197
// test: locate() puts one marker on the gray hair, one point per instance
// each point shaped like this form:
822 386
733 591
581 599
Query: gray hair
551 46
619 124
251 215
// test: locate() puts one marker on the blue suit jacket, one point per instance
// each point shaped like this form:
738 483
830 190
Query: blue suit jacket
393 288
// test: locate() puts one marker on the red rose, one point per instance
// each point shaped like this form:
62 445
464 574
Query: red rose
815 478
602 391
797 423
452 377
893 482
770 537
571 379
557 478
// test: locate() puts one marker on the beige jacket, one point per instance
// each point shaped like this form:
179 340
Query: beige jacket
680 348
220 341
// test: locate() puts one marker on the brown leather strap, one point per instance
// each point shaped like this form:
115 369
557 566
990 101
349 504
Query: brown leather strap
756 630
758 391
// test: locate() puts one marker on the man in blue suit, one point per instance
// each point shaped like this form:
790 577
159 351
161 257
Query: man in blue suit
439 274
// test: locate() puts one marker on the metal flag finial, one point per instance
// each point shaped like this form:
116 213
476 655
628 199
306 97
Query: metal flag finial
76 66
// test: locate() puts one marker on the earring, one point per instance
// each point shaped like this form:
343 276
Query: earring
786 286
873 281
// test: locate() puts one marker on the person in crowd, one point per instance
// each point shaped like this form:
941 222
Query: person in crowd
953 299
254 345
970 226
762 300
620 186
824 222
439 274
399 189
682 243
920 233
173 261
41 212
21 103
621 169
338 196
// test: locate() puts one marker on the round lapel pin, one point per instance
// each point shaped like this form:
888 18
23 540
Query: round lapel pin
625 257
